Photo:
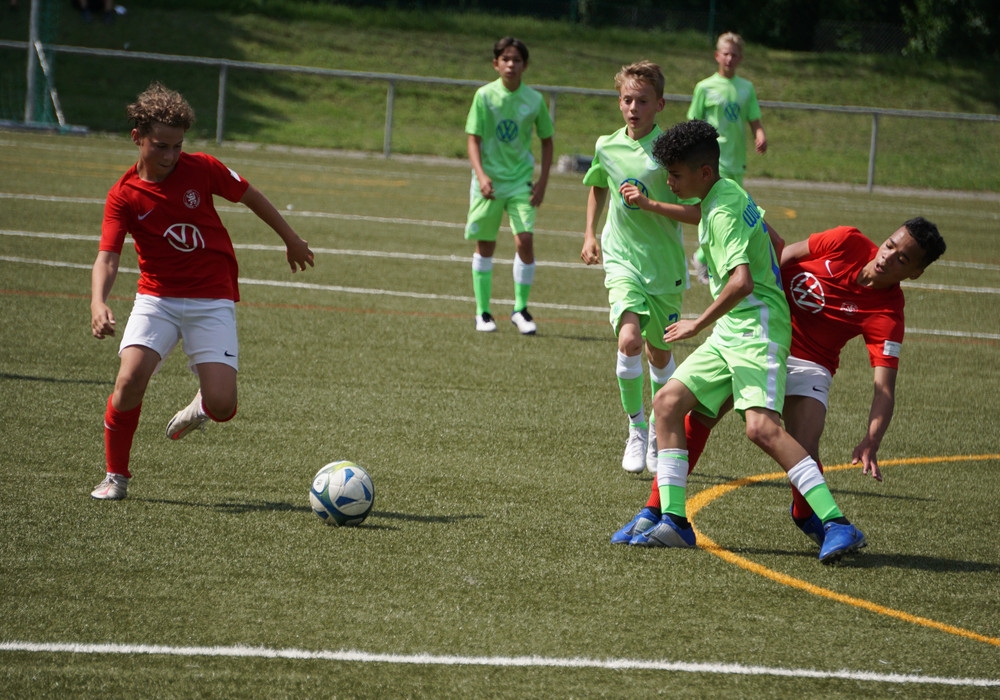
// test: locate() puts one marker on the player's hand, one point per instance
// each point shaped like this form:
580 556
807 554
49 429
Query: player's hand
864 454
682 330
537 194
760 144
486 188
591 253
299 255
632 195
102 321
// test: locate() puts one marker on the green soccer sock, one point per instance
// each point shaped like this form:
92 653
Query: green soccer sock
821 501
524 277
482 286
631 392
808 479
521 292
671 477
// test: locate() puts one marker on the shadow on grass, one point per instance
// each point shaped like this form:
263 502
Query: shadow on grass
866 559
53 380
240 507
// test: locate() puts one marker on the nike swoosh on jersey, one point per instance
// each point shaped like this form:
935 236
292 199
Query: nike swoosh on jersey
143 216
828 268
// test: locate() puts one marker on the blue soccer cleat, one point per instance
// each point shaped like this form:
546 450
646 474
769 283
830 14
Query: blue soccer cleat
839 540
812 527
640 523
665 533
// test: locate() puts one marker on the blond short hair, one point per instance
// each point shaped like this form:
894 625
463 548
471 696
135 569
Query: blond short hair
642 72
730 38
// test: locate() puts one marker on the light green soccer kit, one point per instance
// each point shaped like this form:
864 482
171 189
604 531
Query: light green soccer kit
645 270
504 120
728 105
746 353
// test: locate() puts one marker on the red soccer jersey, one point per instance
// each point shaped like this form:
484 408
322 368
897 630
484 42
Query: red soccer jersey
829 307
183 248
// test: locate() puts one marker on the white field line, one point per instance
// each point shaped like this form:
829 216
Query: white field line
500 661
441 297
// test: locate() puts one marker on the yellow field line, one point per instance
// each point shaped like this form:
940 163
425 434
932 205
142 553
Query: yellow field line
705 497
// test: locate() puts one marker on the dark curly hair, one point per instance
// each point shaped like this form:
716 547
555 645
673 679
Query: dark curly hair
159 105
694 143
926 234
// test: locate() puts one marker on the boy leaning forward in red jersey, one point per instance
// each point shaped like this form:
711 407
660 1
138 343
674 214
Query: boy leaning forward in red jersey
839 285
187 275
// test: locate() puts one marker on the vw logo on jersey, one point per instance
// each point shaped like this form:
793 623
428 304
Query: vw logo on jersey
807 292
192 199
637 183
184 237
732 111
507 130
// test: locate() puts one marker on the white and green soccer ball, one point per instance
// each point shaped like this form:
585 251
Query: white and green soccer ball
342 494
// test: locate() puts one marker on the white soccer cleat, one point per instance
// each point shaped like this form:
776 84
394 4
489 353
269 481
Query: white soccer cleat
525 324
485 323
634 460
113 488
189 418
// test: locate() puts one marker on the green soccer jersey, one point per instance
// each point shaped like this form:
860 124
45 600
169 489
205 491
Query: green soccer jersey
728 105
637 244
732 233
504 121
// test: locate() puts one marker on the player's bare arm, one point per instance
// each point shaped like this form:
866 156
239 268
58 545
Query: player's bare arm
794 251
759 137
596 199
102 278
296 250
739 286
476 160
879 417
538 189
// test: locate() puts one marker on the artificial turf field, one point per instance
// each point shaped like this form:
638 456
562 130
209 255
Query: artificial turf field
485 568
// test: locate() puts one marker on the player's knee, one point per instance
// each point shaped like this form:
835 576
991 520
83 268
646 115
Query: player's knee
220 409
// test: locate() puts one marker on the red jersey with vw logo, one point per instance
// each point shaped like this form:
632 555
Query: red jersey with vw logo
183 248
829 307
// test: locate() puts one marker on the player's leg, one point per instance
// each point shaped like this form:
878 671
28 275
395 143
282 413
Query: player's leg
804 420
121 419
628 370
701 382
806 399
212 347
764 429
482 227
697 428
664 310
522 222
150 334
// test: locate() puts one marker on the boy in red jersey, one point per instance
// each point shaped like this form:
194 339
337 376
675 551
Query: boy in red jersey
839 285
187 275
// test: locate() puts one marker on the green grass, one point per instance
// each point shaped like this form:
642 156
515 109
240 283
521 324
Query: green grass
495 460
346 114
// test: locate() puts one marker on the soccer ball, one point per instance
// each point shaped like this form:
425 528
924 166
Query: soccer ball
342 493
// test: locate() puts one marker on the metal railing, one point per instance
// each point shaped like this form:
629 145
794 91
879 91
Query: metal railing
223 65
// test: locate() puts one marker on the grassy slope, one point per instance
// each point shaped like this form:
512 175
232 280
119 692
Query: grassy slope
279 108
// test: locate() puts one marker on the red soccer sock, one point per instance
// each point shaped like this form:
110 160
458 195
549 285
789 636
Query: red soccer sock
213 418
696 433
801 510
119 429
